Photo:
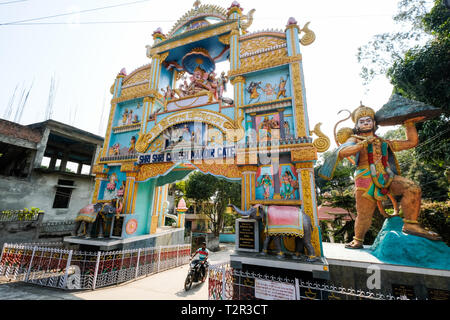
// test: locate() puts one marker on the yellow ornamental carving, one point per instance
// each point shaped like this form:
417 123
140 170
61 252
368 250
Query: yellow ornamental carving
308 37
255 44
323 142
152 170
225 39
266 58
298 96
308 207
134 92
139 75
306 153
128 167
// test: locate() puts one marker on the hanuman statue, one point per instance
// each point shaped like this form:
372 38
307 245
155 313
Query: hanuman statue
377 177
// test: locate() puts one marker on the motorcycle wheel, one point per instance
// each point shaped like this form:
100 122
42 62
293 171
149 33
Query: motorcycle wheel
188 282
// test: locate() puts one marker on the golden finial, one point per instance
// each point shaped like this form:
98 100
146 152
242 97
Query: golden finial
197 4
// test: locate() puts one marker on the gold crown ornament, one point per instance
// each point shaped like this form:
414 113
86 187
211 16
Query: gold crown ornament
362 111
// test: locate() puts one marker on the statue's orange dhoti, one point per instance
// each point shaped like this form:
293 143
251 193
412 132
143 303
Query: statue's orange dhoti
377 175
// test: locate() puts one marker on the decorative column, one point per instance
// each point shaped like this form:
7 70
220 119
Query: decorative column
129 198
101 174
305 172
296 70
181 210
147 110
248 186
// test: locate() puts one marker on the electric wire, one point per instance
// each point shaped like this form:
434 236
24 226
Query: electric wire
73 12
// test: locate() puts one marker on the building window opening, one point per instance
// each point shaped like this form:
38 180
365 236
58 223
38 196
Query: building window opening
63 193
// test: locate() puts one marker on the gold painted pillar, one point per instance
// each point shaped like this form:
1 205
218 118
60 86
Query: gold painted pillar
248 186
298 95
146 112
305 172
99 177
131 186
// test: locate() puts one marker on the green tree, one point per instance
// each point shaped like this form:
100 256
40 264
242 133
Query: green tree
211 196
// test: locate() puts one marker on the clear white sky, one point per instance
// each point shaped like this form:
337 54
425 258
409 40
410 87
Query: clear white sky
85 58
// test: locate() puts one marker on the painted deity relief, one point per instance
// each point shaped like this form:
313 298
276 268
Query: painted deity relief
128 117
112 188
288 182
268 127
288 134
117 150
261 92
265 186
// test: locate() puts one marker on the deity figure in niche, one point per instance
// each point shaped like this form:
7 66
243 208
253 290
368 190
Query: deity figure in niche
130 117
269 91
282 88
266 182
288 185
269 129
132 149
121 191
111 188
202 81
168 94
186 133
124 117
114 150
197 136
135 119
252 89
287 130
222 84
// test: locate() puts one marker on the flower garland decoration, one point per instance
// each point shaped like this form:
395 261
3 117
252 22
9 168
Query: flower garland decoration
384 160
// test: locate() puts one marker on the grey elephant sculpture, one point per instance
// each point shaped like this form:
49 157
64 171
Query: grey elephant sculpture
283 221
96 212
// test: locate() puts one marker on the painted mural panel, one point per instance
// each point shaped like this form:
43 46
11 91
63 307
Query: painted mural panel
267 87
128 114
268 126
114 187
265 186
123 144
288 182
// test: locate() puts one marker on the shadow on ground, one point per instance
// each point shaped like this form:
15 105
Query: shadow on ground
196 287
27 291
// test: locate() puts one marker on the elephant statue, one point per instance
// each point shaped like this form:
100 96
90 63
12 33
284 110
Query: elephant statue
283 221
96 212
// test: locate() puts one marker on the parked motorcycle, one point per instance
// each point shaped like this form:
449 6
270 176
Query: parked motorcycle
195 273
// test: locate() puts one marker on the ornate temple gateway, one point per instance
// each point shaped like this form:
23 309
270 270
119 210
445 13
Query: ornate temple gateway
173 115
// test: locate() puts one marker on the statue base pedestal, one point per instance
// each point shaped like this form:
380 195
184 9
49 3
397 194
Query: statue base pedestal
356 269
361 270
270 264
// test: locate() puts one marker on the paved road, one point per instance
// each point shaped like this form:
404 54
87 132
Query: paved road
167 285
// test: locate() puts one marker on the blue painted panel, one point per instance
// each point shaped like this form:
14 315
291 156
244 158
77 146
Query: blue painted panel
143 209
267 86
109 188
165 79
128 113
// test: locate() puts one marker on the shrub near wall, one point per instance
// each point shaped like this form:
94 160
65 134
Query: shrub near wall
435 216
20 225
